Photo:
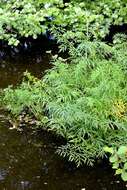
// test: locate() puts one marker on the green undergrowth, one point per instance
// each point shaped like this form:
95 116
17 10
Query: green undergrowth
83 99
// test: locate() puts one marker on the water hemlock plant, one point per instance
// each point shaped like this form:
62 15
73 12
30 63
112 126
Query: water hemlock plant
83 99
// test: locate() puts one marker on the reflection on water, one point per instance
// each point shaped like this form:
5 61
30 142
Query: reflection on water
3 173
28 160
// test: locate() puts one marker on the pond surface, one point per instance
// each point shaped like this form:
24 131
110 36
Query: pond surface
28 160
12 68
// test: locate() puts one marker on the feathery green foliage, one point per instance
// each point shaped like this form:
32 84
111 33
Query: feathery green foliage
84 101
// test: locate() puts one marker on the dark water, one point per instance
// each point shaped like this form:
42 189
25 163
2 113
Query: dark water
12 68
28 160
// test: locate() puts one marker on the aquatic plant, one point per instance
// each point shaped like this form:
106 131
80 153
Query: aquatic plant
83 99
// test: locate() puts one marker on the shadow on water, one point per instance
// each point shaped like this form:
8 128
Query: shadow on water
28 160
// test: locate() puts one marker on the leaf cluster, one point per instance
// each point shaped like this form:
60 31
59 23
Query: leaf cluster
74 19
118 160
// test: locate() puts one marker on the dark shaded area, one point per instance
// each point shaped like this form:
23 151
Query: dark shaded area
12 68
29 45
29 55
114 29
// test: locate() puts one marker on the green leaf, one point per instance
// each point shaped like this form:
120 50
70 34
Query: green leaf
125 166
113 158
108 149
124 176
122 150
119 171
115 165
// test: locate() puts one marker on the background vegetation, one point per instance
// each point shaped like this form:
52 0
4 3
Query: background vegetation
74 18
